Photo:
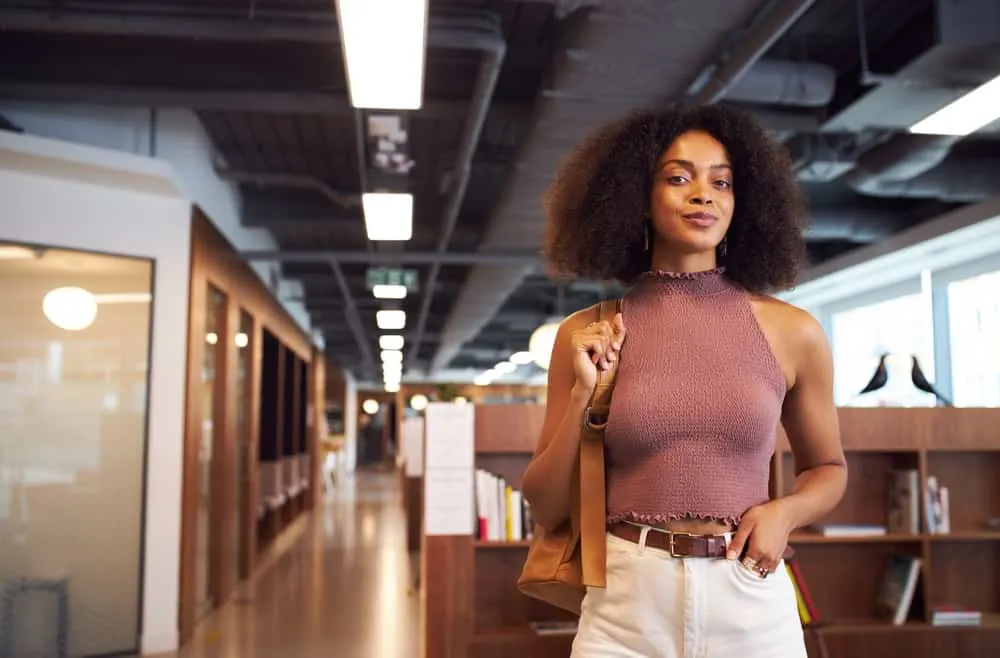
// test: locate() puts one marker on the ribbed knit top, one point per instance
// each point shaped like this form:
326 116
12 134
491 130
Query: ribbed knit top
696 403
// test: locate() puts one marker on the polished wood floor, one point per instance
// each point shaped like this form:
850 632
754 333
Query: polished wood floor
341 585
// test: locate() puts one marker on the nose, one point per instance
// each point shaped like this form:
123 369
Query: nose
700 194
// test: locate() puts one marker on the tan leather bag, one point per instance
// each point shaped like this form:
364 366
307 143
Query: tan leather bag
563 561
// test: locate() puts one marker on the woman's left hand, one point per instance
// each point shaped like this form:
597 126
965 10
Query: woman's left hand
764 531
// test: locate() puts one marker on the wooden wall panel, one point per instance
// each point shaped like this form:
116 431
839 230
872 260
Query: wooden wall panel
508 427
214 262
447 575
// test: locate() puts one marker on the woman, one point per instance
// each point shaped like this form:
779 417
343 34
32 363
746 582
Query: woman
698 210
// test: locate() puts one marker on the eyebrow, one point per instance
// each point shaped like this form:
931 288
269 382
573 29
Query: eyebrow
687 164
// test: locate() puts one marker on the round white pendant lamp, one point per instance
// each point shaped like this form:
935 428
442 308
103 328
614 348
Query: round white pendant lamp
541 342
70 308
419 402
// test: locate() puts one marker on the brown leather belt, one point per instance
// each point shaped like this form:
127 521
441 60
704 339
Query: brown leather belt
678 544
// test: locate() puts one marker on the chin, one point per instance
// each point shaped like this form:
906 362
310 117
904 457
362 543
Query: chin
692 246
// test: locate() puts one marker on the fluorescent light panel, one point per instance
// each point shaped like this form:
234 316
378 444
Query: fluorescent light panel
389 291
388 216
978 108
390 319
390 342
392 356
384 43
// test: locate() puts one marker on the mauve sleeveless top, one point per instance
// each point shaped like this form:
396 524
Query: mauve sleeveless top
696 403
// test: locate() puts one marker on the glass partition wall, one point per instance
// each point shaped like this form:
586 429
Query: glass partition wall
74 361
239 490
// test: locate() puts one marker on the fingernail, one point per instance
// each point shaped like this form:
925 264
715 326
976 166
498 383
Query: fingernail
730 555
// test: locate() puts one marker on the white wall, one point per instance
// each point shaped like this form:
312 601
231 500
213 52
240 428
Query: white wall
181 141
78 197
350 422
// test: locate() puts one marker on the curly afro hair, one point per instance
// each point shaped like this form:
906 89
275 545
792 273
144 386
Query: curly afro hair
598 205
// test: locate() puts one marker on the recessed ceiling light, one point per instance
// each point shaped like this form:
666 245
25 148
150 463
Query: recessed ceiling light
388 216
978 108
390 342
521 358
390 319
389 291
370 31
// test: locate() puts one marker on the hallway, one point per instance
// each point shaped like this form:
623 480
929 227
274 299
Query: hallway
340 586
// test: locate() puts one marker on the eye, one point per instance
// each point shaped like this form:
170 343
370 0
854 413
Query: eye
676 180
723 184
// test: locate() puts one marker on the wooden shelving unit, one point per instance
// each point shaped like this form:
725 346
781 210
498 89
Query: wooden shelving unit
961 447
476 611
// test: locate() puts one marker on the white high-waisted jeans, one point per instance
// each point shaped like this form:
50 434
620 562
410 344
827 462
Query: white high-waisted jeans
656 606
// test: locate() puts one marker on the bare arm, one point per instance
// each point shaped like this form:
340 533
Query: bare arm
546 480
810 421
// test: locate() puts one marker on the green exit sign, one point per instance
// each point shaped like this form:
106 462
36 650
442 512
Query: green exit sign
388 276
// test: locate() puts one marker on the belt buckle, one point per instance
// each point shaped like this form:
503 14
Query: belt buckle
673 552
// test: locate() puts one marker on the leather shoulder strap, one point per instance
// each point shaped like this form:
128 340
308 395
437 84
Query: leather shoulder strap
600 399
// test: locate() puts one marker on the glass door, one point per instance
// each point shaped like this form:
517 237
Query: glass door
75 333
239 559
211 404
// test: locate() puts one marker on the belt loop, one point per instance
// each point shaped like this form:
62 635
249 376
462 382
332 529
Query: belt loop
642 539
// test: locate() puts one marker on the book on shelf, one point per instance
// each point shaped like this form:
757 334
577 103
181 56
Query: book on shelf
955 615
553 627
903 505
848 529
899 585
501 511
936 507
808 613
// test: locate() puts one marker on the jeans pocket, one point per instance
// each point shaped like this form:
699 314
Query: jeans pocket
751 578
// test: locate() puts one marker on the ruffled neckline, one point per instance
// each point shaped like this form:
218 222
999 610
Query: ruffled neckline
689 276
702 282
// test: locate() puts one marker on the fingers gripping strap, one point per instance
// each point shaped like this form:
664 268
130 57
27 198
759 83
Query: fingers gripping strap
593 507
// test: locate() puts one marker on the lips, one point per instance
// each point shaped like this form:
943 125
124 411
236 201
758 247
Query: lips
702 219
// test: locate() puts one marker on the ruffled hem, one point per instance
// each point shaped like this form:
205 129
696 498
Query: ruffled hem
656 519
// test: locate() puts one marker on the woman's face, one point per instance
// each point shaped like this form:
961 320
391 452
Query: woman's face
692 200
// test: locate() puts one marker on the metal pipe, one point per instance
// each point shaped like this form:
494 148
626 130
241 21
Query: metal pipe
397 258
274 179
780 16
494 49
353 317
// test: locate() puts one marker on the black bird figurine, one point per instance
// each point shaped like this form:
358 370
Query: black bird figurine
878 379
920 381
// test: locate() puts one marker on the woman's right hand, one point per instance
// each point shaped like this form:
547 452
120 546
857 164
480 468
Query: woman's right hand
595 348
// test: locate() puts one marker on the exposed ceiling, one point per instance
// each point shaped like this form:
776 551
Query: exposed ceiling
510 86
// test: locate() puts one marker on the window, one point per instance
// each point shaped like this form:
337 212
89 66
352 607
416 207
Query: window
974 327
900 327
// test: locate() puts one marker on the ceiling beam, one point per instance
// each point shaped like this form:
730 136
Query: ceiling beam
125 20
247 100
398 258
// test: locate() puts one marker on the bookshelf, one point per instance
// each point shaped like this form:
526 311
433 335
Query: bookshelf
473 608
959 447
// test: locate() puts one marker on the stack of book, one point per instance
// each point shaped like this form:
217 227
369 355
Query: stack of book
502 514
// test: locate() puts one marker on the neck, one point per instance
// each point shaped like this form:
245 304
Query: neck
666 261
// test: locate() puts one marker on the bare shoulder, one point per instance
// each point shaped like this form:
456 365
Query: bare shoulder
797 329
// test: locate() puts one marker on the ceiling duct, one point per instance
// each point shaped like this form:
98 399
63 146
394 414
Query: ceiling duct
780 82
625 44
937 57
854 225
